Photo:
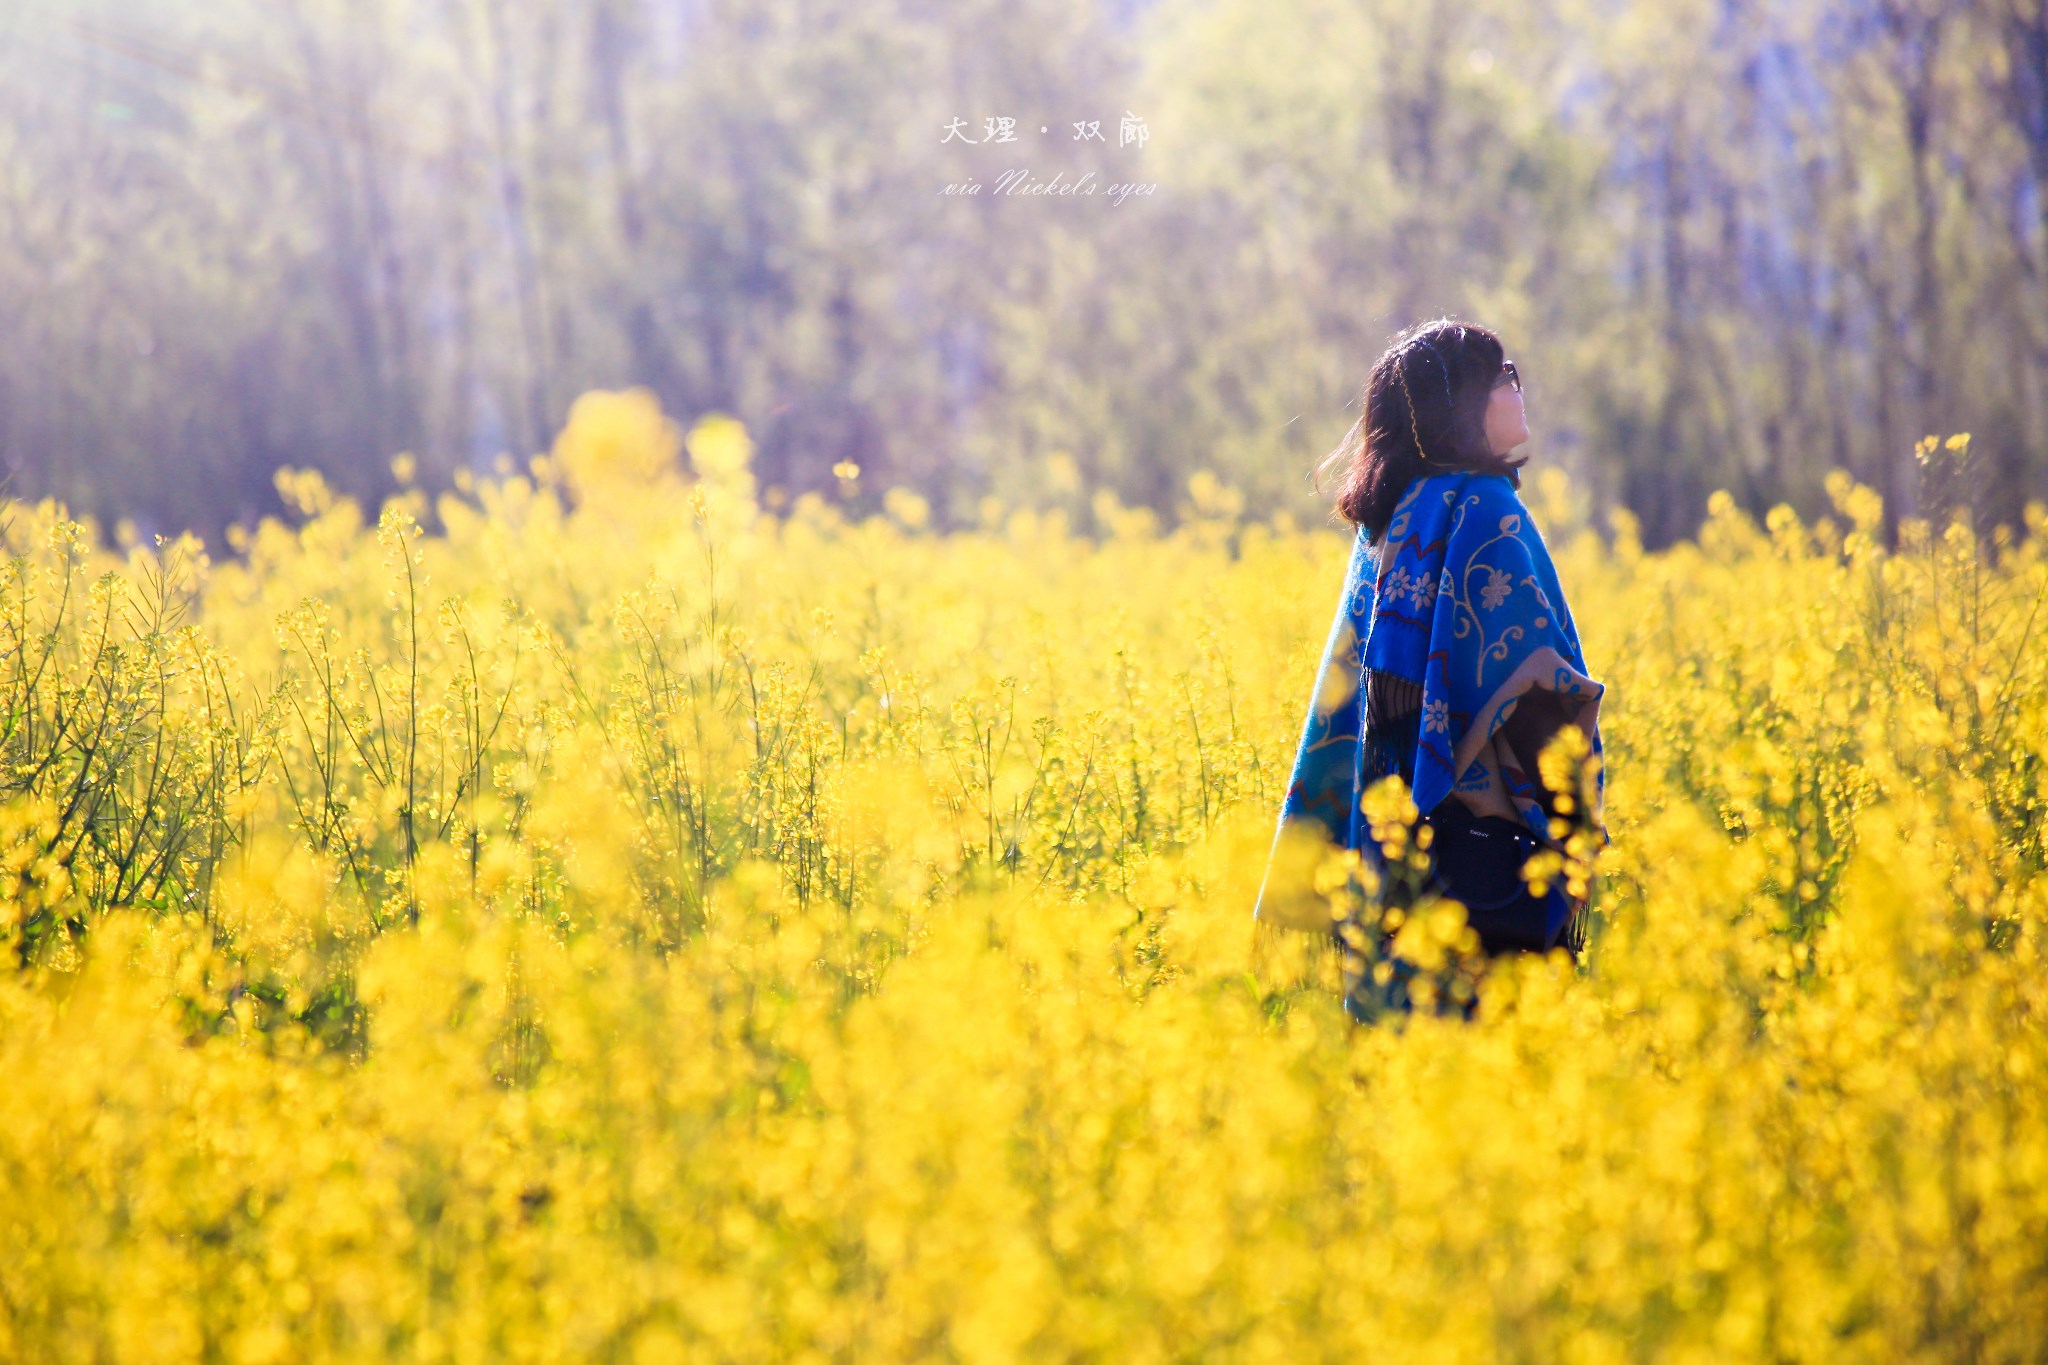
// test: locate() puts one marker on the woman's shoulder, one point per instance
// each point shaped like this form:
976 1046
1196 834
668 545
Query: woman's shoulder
1456 485
1485 495
1454 499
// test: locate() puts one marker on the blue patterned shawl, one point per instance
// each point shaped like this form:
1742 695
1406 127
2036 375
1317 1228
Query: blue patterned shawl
1447 628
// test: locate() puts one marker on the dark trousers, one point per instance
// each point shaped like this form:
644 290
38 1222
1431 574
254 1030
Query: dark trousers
1477 859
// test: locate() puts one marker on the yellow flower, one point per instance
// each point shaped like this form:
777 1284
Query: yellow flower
719 447
615 442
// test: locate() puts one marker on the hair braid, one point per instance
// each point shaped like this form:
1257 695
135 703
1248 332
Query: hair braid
1414 423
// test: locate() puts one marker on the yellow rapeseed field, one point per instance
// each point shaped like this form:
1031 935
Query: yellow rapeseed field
590 917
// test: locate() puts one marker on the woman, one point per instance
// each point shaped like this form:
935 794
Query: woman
1452 661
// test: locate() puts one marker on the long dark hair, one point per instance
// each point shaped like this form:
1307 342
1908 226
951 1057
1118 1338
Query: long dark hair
1423 411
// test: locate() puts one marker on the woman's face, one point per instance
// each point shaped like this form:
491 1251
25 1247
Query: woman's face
1506 427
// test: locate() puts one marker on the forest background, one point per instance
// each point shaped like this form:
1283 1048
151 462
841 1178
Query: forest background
1731 243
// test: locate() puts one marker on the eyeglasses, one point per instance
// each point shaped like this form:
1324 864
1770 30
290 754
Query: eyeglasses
1508 375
